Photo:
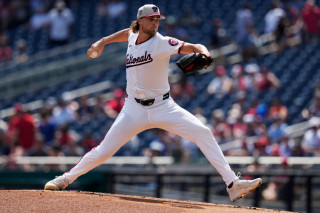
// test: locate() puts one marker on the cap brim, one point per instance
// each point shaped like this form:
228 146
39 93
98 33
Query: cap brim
161 16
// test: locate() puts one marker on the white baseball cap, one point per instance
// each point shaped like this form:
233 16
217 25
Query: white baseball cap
148 10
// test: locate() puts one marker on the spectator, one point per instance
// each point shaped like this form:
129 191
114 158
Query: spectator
39 149
21 55
98 107
314 108
252 70
73 149
311 138
282 34
5 49
114 106
116 8
157 145
88 142
239 80
60 21
273 16
296 24
182 88
261 146
286 146
240 105
38 19
266 80
63 113
249 119
218 34
47 127
277 129
65 136
22 128
239 128
84 111
221 84
219 125
252 110
262 111
278 110
311 18
246 33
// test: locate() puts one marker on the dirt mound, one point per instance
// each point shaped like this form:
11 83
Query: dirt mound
75 201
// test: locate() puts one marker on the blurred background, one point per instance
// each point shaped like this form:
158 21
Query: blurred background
261 99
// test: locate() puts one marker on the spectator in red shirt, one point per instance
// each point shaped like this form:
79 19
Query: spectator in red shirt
65 135
114 105
311 18
266 80
22 128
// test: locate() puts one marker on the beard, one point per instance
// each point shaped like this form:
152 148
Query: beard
148 32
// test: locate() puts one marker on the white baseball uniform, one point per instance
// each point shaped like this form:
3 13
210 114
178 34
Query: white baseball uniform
147 78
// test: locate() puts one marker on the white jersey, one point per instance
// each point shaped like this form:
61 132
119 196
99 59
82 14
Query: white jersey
147 65
147 78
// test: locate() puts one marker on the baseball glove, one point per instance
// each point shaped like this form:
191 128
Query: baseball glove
193 62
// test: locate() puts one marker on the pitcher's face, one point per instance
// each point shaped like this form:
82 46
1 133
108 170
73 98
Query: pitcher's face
149 25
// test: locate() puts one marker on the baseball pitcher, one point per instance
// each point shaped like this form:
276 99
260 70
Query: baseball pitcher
149 104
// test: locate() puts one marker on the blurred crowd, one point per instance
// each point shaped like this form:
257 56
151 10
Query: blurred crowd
289 22
256 128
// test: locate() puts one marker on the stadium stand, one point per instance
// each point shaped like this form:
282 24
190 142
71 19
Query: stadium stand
53 71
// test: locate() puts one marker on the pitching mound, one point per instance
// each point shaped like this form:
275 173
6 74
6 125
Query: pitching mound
73 201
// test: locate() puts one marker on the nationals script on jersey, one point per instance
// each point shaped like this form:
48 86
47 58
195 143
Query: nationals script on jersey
147 65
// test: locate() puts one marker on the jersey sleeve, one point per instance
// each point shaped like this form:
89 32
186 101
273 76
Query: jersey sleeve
171 45
132 37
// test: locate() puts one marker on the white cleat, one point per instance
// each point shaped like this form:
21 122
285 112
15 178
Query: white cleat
242 187
59 183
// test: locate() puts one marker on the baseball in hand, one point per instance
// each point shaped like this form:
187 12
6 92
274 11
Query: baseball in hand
94 54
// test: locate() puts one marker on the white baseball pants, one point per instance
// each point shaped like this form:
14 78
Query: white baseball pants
164 114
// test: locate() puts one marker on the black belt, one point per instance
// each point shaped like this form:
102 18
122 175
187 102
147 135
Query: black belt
149 102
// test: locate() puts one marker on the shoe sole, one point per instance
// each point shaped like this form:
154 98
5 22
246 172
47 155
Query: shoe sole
51 187
251 189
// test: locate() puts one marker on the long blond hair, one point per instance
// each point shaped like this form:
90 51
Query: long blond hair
134 26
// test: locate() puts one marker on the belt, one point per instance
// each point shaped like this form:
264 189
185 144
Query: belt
149 102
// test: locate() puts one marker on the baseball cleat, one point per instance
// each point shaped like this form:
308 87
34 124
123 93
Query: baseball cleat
242 187
58 183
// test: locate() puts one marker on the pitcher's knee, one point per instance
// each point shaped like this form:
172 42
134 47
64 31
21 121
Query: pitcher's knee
203 133
99 154
207 131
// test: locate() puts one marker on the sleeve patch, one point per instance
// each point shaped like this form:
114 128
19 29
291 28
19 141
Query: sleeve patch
173 42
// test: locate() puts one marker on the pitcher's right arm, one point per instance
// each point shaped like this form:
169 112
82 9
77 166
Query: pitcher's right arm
119 36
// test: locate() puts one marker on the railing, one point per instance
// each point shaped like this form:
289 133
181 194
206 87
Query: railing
163 160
